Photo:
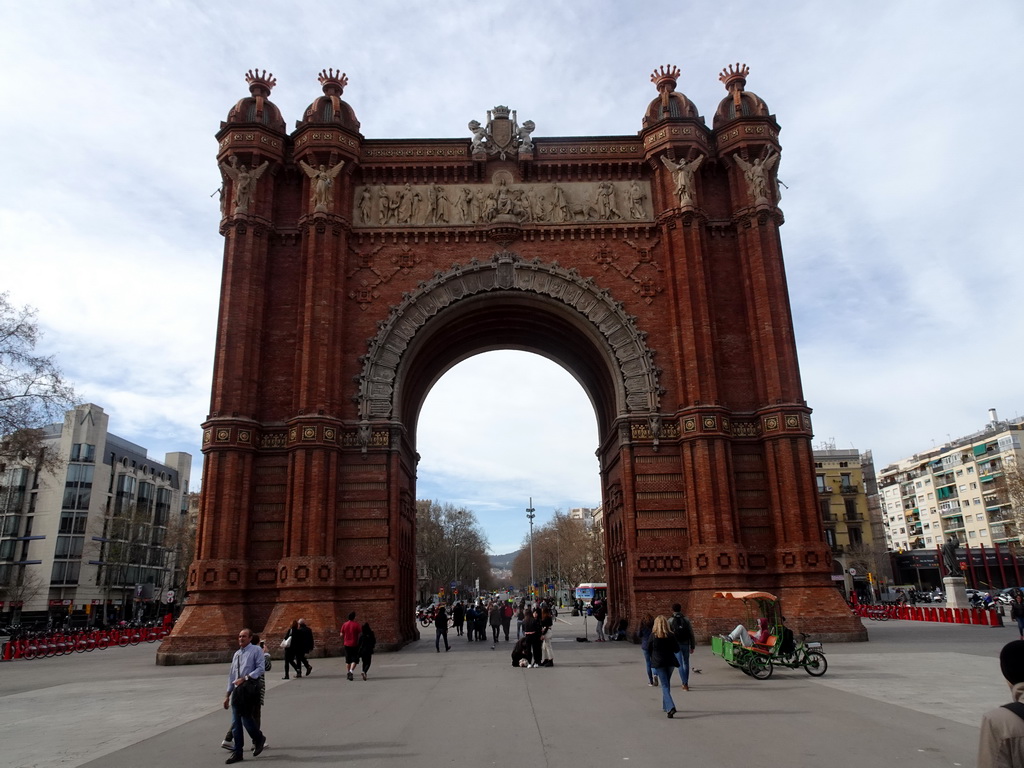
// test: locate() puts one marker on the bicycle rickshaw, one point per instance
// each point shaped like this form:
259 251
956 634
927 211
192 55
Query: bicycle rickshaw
781 649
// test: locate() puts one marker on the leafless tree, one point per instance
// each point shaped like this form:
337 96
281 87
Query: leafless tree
450 547
1013 477
32 387
564 550
23 586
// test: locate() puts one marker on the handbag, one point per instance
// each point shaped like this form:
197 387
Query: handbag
245 697
287 642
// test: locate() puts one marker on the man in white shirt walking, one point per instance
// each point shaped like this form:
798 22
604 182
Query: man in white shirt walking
243 694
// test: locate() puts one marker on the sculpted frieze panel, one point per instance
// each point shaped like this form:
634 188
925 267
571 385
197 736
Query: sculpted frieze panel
433 205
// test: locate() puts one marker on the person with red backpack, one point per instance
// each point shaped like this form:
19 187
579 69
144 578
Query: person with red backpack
507 612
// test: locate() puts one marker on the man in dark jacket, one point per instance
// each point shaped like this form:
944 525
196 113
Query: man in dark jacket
683 633
306 644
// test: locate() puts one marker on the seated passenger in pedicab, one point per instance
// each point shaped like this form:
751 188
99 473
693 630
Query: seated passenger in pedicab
747 638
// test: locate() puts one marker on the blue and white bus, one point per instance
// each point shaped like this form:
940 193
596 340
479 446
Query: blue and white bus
588 591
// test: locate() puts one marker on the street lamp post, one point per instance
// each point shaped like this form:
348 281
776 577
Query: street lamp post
456 569
529 516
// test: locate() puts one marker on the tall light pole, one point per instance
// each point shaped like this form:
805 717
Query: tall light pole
529 516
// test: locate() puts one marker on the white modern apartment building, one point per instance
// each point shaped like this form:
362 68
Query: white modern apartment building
96 535
960 488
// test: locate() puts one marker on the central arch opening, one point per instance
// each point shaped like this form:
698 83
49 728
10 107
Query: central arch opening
501 427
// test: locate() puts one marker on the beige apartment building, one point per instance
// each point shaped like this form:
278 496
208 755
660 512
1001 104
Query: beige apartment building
962 488
98 536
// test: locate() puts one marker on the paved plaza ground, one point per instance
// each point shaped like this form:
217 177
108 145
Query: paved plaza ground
911 696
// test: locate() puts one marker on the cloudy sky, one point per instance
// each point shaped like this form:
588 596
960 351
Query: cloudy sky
898 123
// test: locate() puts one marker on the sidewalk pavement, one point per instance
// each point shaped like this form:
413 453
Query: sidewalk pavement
912 696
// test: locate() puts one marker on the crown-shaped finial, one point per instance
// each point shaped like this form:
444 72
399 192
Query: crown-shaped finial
501 112
666 77
333 80
734 75
260 81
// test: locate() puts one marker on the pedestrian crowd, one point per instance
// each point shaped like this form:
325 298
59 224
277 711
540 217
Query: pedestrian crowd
666 641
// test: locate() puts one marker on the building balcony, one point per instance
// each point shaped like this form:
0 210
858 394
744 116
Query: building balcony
849 488
824 490
853 517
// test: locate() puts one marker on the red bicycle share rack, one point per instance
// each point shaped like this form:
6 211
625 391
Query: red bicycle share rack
38 645
979 616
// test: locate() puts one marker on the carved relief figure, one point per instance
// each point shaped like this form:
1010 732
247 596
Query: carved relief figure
538 206
503 202
756 175
605 202
365 205
384 207
244 181
323 181
464 206
405 205
438 204
683 173
636 201
559 206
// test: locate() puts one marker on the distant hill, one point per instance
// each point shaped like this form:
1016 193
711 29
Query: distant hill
503 562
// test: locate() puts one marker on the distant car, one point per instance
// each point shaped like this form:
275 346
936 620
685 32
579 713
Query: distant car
976 593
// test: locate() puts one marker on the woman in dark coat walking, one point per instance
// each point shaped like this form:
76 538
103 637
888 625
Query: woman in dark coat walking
494 619
664 648
458 616
367 642
291 653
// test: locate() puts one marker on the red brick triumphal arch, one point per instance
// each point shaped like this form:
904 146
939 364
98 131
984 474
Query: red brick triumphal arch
357 271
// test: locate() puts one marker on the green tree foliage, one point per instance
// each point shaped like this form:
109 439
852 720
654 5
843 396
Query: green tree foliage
32 389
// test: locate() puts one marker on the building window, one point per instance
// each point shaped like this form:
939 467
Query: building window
69 546
72 522
928 540
970 470
830 537
855 536
65 572
83 452
972 534
821 483
983 532
980 516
